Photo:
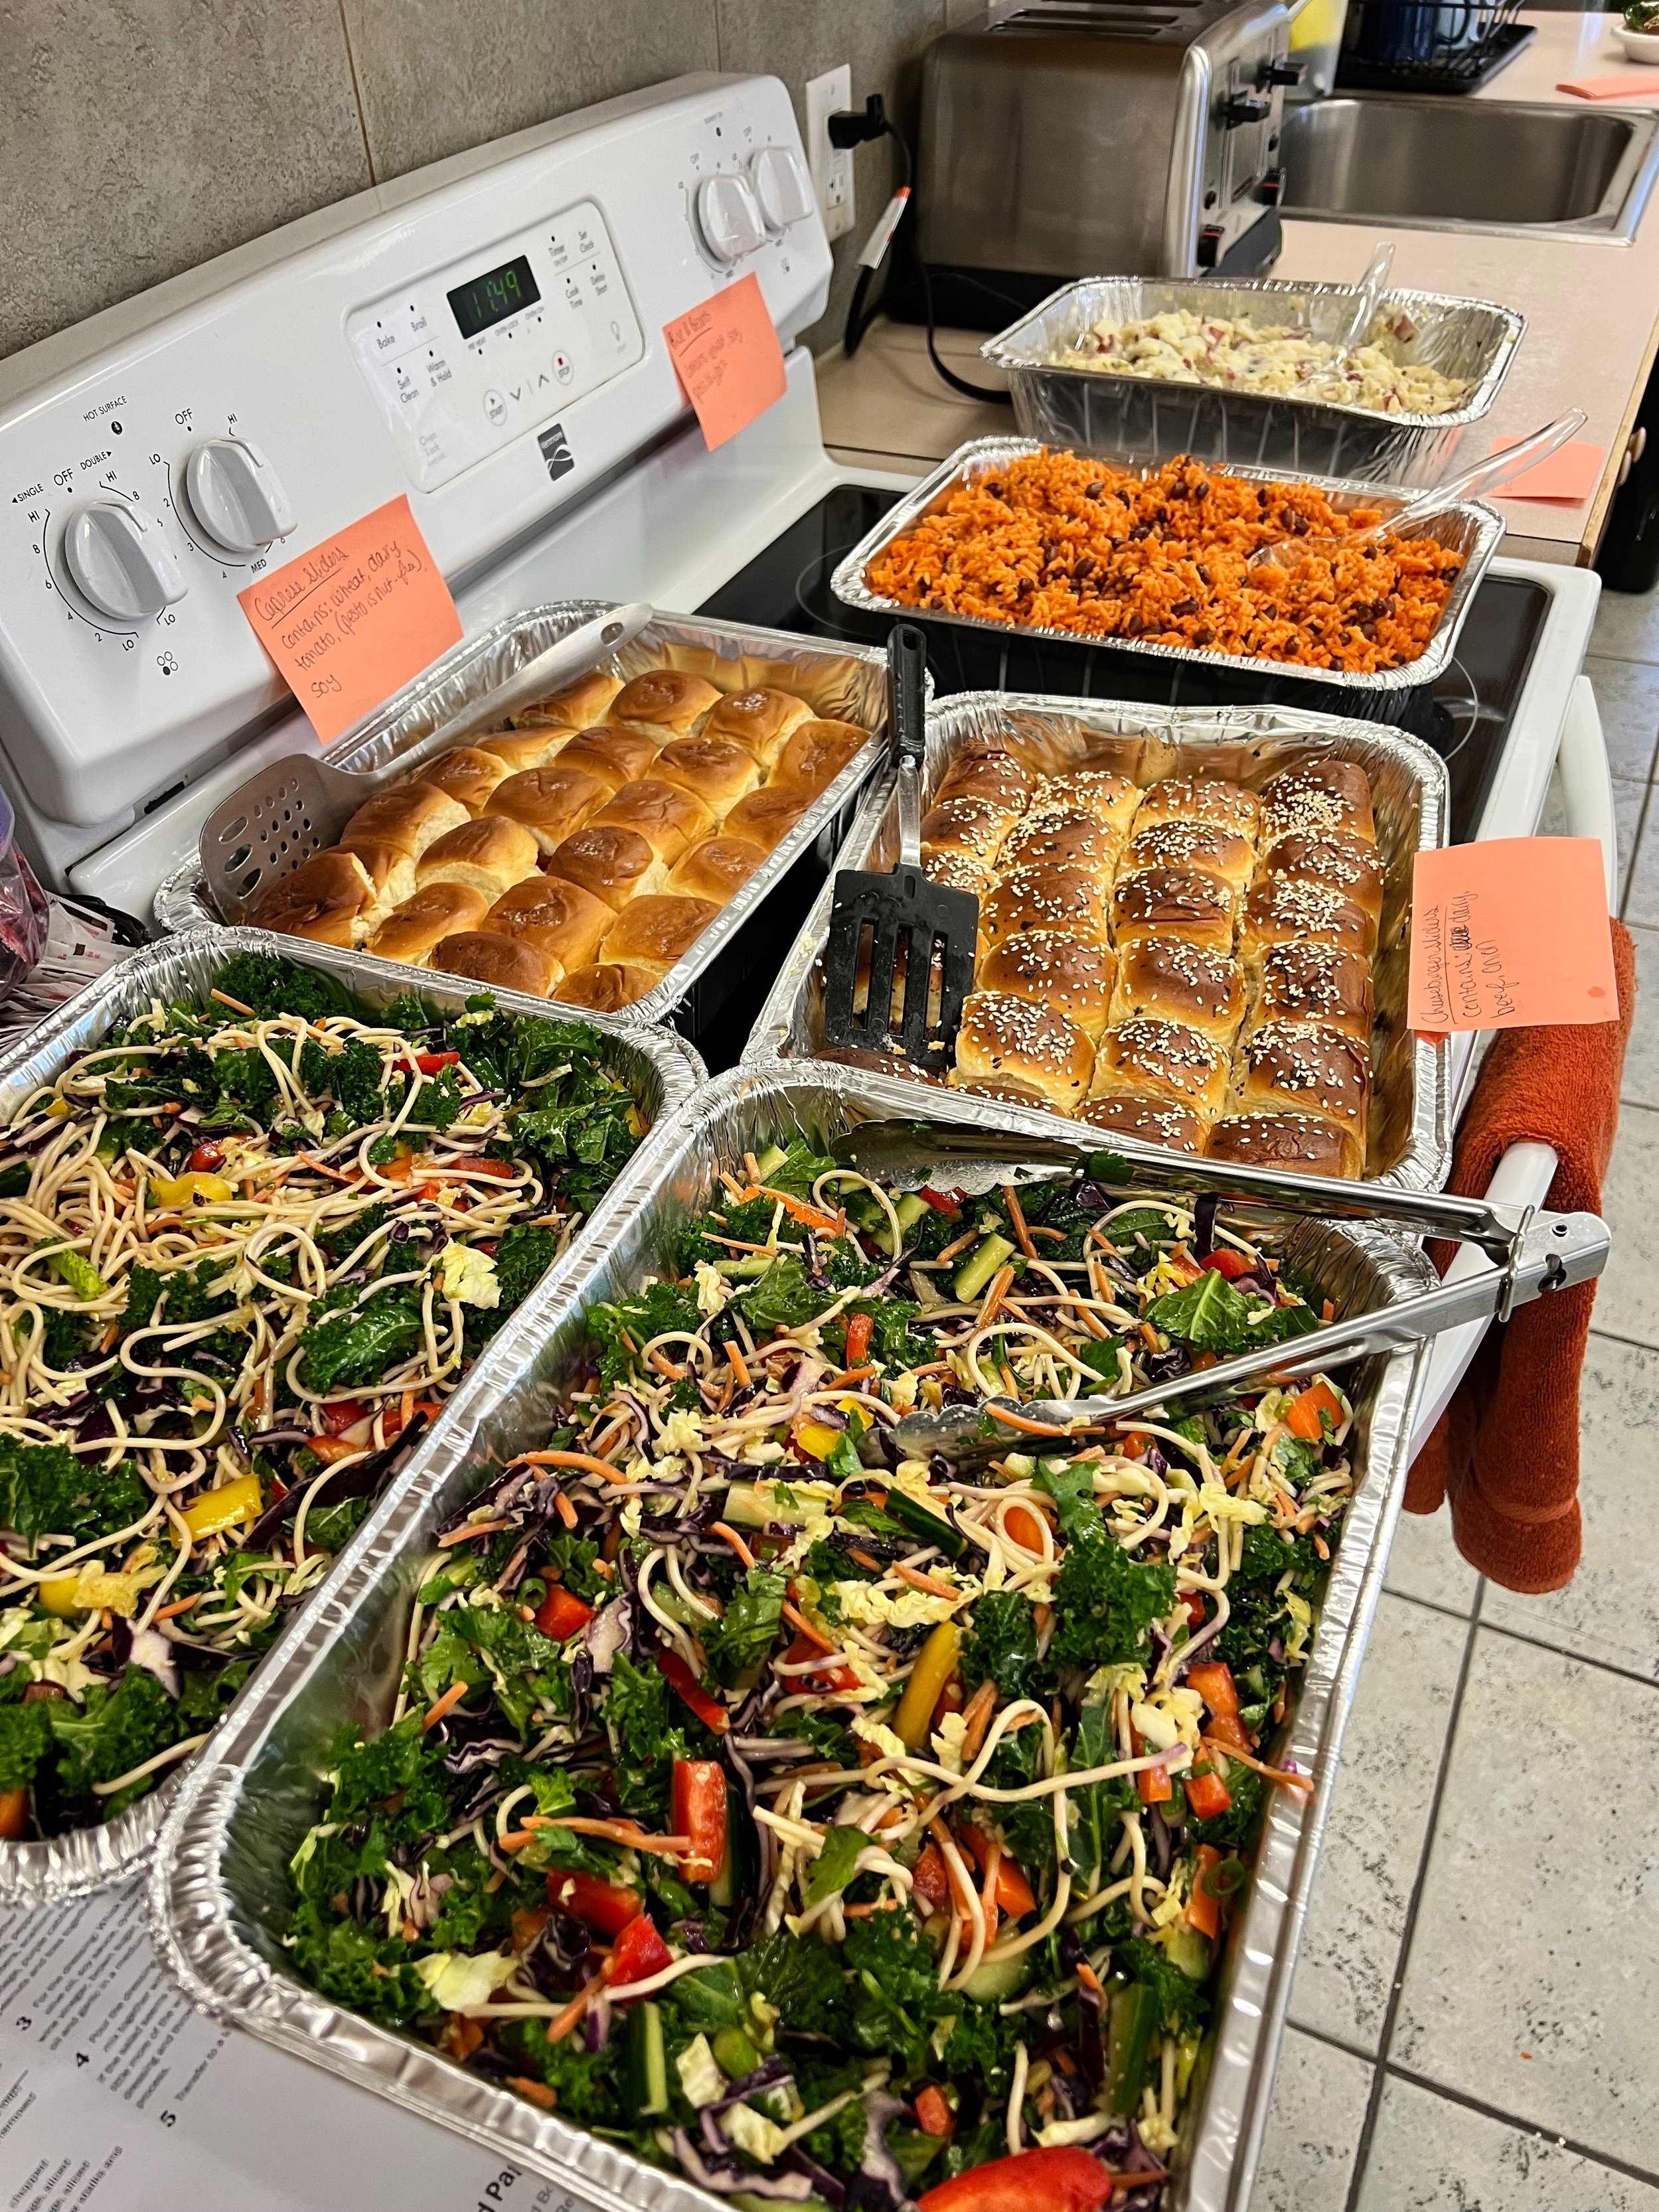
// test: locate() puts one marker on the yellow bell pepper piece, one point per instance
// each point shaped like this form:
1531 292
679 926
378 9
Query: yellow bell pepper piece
935 1665
177 1192
61 1594
817 1438
224 1507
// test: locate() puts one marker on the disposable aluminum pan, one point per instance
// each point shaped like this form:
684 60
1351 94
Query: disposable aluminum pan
1409 1137
661 1071
845 683
218 1891
1097 411
1473 530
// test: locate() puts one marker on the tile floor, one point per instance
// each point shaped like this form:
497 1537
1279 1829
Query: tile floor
1470 2024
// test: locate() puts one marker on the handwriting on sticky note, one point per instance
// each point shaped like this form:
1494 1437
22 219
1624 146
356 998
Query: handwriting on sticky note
1510 934
350 622
727 358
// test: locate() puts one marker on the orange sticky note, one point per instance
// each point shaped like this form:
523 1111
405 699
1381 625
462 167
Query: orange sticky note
1629 89
1510 934
728 359
349 623
1570 475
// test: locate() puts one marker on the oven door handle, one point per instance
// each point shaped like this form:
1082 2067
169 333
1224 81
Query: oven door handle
1587 781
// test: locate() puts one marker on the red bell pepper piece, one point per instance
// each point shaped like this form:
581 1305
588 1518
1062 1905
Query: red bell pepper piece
637 1953
1014 1895
940 1200
1064 2179
562 1613
699 1812
684 1684
205 1158
1204 1906
932 2113
860 1327
607 1907
432 1063
1229 1732
1192 1607
342 1414
821 1678
930 1880
1154 1786
1312 1411
1230 1265
1213 1680
1207 1795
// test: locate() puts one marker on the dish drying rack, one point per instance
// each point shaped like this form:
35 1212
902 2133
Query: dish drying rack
1425 45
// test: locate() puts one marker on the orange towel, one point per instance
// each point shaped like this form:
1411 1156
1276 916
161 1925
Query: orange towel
1506 1450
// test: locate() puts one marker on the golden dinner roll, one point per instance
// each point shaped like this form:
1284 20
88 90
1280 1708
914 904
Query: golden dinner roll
717 771
1204 846
1209 799
1287 1140
1098 790
1073 975
759 721
411 815
610 756
1320 798
1072 901
1174 903
817 753
606 986
506 963
658 931
549 801
328 899
1005 1038
573 706
1344 864
392 871
972 828
491 854
984 770
1174 980
669 819
665 703
1279 911
1299 1067
1076 838
1300 983
613 863
999 1093
555 916
1148 1121
522 749
958 871
421 923
1150 1057
766 817
716 869
467 775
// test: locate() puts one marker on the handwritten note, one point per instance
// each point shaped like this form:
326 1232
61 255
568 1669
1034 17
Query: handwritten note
728 359
1510 934
1566 477
353 619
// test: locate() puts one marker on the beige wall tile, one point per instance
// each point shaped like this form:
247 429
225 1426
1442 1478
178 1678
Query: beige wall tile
140 140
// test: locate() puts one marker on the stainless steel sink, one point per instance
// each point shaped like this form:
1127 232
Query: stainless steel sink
1477 165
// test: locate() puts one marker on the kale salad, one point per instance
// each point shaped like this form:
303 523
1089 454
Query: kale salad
248 1246
825 1825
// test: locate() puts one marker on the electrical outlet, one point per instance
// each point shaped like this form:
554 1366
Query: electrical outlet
831 166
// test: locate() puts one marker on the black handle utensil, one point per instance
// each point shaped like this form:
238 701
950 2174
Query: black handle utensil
907 942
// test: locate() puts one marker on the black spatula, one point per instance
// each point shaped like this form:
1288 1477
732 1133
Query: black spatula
913 939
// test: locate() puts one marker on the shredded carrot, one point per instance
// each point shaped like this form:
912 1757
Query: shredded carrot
849 1375
918 1580
723 1529
180 1605
994 1297
1088 1979
575 2011
622 1833
565 1510
575 1458
1016 1222
739 1368
864 1559
468 1529
322 1168
665 1366
1281 1775
976 1719
809 1217
1019 1421
537 2092
798 1619
451 1697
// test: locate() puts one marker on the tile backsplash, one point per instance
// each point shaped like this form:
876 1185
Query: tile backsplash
142 140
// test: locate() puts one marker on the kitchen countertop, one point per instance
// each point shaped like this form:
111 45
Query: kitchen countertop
1592 314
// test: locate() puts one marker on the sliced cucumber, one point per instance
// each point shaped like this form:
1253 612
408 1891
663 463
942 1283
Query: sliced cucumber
998 1980
648 2066
773 1156
745 1508
736 2055
1188 1950
910 1209
909 1513
980 1265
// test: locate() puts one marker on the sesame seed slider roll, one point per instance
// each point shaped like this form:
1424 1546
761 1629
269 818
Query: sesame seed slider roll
1074 839
1153 1058
1173 980
1320 798
1298 1068
1205 846
1280 912
1222 804
974 828
1343 864
982 771
1009 1040
1072 901
1287 1140
1174 903
1073 975
1099 791
1308 982
1149 1121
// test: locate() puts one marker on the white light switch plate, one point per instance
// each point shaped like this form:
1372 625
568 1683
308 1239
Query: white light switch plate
831 166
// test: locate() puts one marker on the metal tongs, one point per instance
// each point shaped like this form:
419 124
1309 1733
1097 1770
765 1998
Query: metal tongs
1532 1253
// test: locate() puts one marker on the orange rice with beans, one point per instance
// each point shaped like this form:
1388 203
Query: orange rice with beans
1057 542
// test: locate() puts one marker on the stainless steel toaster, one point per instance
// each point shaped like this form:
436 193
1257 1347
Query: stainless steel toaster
1064 138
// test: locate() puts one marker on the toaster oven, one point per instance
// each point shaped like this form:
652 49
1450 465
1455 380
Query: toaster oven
1064 138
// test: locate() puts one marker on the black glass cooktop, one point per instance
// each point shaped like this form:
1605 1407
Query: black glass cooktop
1465 715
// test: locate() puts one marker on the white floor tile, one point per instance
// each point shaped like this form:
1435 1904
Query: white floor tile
1319 2106
1638 857
1428 2154
1641 1084
1610 1610
1627 625
1390 1757
1627 695
1535 1952
1425 1562
1627 1297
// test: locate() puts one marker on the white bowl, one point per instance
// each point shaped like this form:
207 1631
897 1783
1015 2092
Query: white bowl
1639 46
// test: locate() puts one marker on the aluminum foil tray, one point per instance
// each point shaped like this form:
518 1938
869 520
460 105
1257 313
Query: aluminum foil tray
1156 417
847 682
218 1888
1474 529
1411 1133
662 1071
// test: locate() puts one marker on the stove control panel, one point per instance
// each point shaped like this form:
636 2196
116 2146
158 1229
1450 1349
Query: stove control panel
466 358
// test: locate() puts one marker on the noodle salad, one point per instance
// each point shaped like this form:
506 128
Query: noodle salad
830 1826
249 1247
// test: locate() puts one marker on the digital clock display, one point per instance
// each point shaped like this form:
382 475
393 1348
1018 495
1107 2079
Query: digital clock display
493 296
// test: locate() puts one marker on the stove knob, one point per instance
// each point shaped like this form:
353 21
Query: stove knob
236 496
1285 72
782 186
117 556
728 216
1245 107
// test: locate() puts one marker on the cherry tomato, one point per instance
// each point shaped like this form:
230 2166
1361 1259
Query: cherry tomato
637 1953
561 1614
1231 1265
605 1907
1064 2179
205 1158
684 1684
699 1812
